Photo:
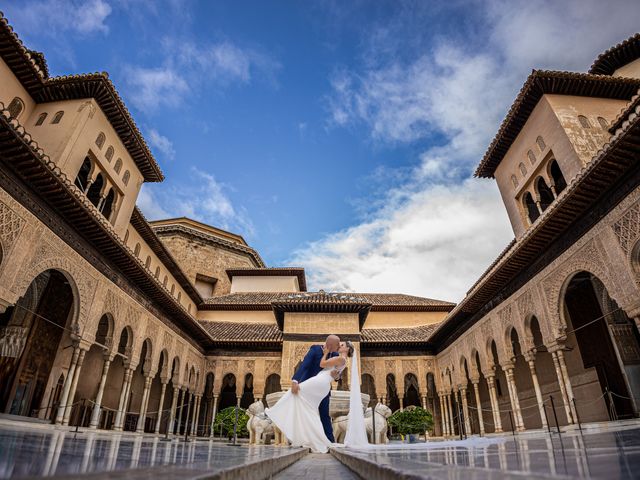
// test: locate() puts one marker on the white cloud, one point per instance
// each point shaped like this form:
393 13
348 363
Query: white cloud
436 231
203 198
57 17
152 88
162 143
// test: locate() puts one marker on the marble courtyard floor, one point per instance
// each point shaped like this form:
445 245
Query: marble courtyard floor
27 452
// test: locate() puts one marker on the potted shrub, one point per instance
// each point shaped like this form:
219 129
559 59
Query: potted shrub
411 422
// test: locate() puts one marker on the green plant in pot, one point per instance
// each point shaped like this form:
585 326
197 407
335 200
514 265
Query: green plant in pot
411 421
225 419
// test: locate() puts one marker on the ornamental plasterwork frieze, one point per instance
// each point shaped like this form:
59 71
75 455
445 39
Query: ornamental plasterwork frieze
368 366
167 341
525 304
250 366
11 225
229 366
210 365
272 366
390 366
410 366
627 228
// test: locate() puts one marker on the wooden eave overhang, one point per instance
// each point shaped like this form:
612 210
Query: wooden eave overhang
141 225
271 272
595 181
20 154
542 82
617 56
44 89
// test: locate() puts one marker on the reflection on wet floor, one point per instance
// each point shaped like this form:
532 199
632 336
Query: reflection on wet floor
610 455
29 453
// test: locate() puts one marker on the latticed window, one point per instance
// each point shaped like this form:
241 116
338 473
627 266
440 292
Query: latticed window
523 169
118 165
541 144
126 177
100 140
603 123
16 107
514 180
532 156
57 117
109 154
584 121
41 119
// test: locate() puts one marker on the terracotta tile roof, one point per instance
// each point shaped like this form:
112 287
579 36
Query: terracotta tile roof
398 335
617 56
378 301
242 332
542 82
271 272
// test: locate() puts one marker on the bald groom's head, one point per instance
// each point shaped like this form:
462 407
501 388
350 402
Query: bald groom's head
333 343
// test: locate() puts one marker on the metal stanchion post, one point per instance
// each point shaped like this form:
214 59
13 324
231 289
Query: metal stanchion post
575 407
513 430
235 430
555 415
373 424
544 409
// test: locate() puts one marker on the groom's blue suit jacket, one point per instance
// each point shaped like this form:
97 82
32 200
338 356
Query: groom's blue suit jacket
310 367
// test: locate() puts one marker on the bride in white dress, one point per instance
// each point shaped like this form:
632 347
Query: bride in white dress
297 416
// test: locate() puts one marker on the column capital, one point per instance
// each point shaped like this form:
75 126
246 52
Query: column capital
530 355
508 366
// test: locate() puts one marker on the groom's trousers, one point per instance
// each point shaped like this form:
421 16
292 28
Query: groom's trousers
326 419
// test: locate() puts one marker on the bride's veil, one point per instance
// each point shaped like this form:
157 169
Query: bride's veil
356 430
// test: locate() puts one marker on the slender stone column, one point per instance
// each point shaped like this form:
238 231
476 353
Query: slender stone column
401 404
452 428
213 413
443 416
196 416
476 392
72 390
495 406
465 410
188 396
67 385
144 403
160 405
563 387
567 381
513 395
95 415
182 395
172 412
122 403
530 357
424 402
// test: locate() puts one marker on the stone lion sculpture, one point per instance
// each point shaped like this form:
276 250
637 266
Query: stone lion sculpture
259 425
382 413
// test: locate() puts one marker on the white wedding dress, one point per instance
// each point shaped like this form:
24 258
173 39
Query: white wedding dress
298 418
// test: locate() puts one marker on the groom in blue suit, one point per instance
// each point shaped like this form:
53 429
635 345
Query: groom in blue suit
310 367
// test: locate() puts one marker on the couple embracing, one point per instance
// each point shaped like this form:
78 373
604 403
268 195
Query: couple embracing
302 413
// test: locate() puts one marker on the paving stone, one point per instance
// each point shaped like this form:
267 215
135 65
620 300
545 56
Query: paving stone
317 466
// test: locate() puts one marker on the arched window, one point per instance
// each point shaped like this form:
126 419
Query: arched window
41 118
107 206
57 117
83 174
541 144
179 295
164 282
118 165
93 194
545 193
558 178
100 140
136 251
189 308
157 272
532 156
584 121
126 236
109 154
514 180
531 207
147 262
603 122
173 288
15 107
126 177
523 169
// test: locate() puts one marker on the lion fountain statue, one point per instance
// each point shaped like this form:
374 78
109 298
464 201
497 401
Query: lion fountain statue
382 414
259 425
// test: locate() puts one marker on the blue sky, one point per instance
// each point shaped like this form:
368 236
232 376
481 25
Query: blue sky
339 136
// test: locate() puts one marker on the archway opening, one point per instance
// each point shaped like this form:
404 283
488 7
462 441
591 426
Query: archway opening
524 384
206 412
558 178
228 396
247 391
82 179
32 345
530 205
95 190
272 385
411 391
545 194
433 404
608 346
393 402
369 387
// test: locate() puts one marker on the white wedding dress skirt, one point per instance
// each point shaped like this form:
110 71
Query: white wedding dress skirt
297 416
